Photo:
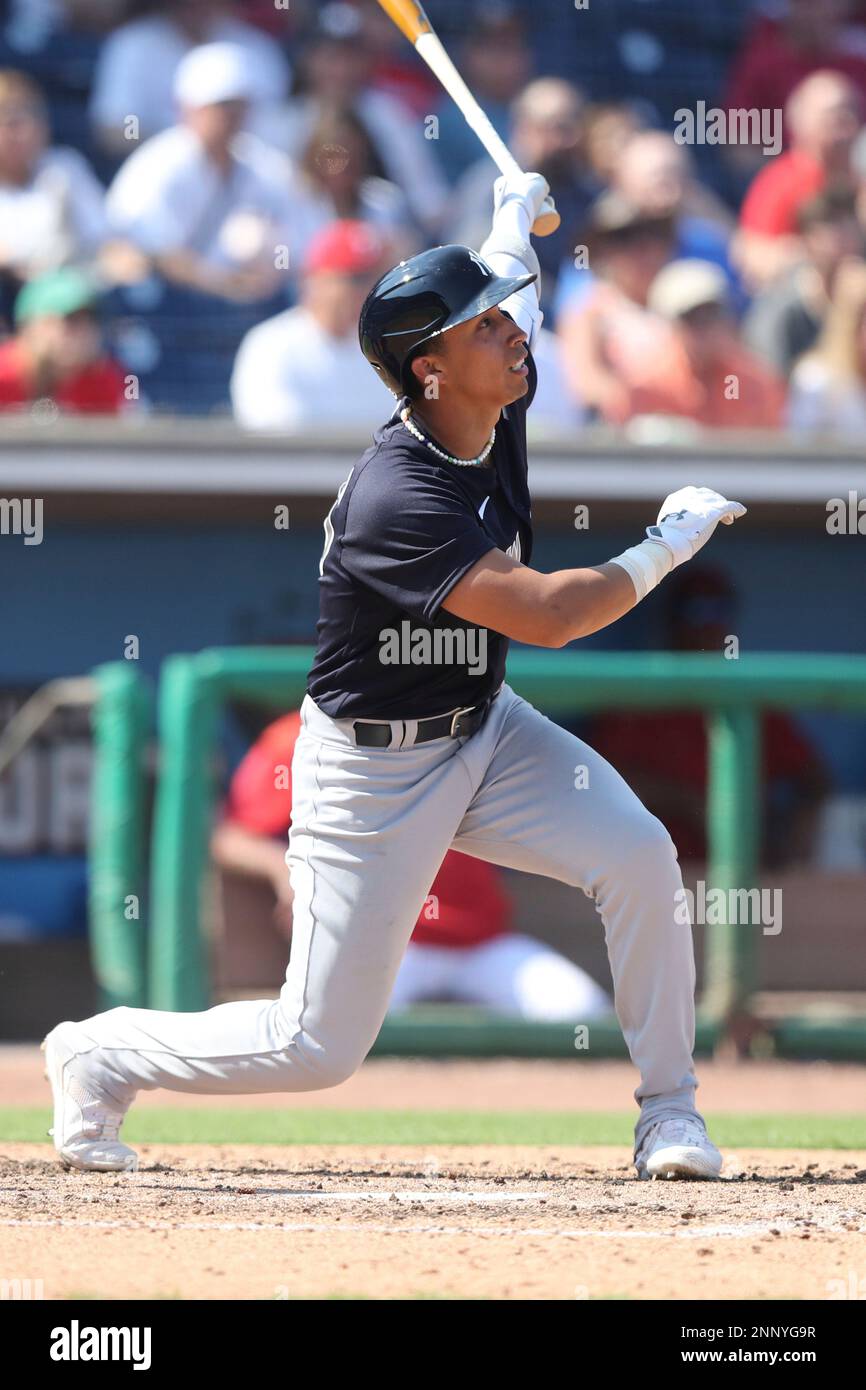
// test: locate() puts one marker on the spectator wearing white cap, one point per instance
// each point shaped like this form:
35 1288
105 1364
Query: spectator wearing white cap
303 369
207 202
704 373
138 62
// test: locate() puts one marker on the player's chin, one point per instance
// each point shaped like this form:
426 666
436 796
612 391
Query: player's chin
517 386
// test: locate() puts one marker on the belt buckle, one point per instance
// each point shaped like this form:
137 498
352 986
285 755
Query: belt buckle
457 713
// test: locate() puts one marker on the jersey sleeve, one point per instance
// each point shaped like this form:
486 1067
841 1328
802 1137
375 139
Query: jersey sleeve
410 536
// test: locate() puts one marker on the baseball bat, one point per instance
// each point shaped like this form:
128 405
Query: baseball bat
411 20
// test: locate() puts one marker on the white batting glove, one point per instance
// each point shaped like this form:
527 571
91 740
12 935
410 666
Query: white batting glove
529 189
688 517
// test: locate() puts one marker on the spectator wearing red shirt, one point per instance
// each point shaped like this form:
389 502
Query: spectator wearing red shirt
462 947
824 116
663 753
779 52
57 352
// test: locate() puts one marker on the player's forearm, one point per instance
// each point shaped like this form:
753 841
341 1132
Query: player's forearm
580 602
550 610
510 233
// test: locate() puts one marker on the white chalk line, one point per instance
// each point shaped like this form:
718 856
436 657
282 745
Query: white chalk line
748 1230
457 1198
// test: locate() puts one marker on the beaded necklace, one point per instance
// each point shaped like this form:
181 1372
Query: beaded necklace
449 458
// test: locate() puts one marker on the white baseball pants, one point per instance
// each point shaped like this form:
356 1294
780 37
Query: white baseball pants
370 828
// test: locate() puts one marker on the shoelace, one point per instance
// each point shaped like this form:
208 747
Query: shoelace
675 1128
102 1124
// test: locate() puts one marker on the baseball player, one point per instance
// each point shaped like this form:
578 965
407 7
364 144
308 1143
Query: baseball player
412 740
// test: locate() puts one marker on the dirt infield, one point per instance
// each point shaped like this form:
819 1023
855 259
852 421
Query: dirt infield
500 1223
269 1222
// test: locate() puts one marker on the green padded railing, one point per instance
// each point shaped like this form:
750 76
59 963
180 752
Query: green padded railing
730 692
117 850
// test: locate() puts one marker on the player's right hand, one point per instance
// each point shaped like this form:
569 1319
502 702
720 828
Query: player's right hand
532 190
688 517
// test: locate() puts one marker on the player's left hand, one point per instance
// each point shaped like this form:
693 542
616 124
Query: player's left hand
688 517
533 191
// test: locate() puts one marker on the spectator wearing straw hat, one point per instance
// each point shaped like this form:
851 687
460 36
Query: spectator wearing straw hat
704 374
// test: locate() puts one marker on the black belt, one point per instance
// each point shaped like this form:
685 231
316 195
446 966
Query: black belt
457 724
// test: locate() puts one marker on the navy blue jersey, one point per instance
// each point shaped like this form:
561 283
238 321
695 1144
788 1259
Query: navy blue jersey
406 526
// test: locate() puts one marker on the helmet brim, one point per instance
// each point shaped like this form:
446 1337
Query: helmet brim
499 289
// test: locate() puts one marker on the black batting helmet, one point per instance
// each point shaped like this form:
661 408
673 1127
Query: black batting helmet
422 297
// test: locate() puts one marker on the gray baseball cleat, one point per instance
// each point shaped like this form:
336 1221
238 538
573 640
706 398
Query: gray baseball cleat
85 1125
677 1146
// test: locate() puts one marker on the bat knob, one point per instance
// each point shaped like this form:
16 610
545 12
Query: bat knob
548 219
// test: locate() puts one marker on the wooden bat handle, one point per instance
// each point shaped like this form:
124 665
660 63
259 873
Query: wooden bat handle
547 220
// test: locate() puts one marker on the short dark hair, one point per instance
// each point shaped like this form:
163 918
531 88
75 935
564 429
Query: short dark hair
411 384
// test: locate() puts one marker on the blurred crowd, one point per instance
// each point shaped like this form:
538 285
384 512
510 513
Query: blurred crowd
198 234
